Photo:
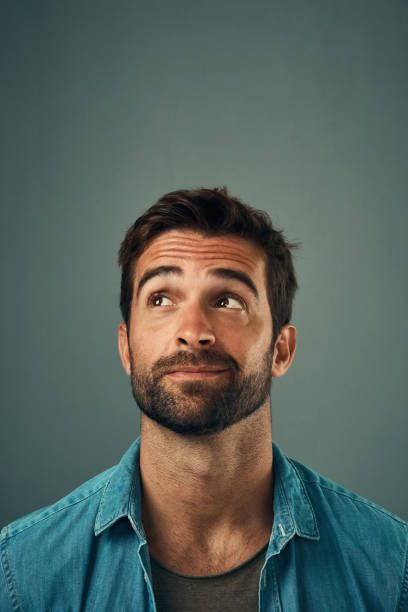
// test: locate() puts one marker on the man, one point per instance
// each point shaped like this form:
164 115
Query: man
204 512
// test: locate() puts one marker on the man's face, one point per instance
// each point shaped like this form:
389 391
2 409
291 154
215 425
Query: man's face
200 354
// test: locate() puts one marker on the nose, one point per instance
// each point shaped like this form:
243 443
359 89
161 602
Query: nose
194 328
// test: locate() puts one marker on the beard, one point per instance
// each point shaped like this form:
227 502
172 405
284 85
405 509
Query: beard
200 407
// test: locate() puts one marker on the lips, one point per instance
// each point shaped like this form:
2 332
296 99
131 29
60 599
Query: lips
195 373
195 369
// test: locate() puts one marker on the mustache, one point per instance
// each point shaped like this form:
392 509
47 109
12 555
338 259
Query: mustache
186 358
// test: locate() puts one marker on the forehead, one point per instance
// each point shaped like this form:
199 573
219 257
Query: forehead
205 251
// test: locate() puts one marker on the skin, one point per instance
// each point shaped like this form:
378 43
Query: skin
207 496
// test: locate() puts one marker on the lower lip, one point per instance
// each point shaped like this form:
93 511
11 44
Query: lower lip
195 375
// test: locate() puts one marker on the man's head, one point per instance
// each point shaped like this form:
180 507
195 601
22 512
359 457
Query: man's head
207 282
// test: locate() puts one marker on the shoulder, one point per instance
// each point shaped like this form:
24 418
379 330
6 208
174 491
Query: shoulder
83 500
340 506
50 547
367 539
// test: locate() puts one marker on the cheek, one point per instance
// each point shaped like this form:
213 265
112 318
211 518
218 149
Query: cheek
150 343
255 341
244 343
139 346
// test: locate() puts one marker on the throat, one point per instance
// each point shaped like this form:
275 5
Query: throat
191 561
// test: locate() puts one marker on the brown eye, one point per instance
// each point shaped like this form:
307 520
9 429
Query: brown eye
157 300
229 302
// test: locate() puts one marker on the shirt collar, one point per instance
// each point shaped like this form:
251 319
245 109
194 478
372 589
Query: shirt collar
293 510
122 496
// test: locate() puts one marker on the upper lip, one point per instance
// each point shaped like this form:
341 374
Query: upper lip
196 369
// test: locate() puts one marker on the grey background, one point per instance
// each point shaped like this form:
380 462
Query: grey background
300 108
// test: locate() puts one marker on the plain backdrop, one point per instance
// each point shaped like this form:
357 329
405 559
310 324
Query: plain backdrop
300 109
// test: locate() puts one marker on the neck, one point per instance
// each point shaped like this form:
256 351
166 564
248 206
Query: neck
207 493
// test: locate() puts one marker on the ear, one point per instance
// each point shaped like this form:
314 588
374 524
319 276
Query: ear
284 350
124 347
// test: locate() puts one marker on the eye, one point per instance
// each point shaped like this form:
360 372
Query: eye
156 300
231 301
228 301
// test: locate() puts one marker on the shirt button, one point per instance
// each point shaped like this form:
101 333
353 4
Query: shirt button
145 577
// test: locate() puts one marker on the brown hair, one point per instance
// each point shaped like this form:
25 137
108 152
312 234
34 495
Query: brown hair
214 212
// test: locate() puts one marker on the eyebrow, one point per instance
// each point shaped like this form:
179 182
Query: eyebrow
225 273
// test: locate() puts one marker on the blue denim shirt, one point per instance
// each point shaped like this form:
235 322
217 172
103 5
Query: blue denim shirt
330 549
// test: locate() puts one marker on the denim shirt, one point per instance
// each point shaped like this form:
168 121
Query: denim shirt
329 550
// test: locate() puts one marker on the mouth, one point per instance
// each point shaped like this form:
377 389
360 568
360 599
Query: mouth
195 374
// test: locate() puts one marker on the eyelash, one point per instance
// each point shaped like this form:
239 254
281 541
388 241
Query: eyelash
152 297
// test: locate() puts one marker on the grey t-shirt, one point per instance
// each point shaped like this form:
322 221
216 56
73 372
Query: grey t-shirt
232 591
